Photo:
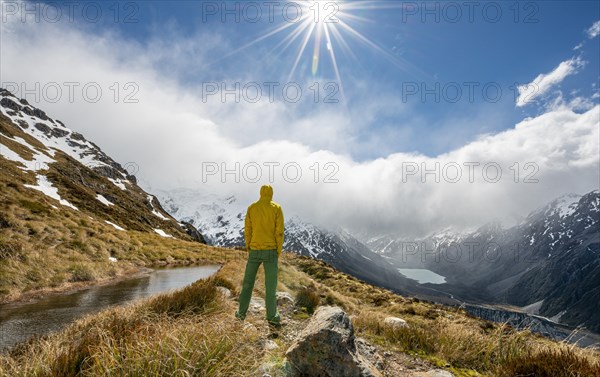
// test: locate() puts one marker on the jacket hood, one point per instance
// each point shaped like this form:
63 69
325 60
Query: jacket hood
266 192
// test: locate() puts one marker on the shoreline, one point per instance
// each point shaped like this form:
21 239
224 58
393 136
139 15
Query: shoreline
73 287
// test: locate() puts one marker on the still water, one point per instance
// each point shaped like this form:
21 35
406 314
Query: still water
422 275
19 322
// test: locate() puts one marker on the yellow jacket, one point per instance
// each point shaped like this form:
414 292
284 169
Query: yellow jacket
264 223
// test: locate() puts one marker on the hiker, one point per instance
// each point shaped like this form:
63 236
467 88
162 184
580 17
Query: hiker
263 234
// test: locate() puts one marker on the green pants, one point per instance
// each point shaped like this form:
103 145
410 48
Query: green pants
269 259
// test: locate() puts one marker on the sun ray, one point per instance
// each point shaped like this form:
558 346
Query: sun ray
334 62
273 32
302 48
328 30
317 50
342 41
289 40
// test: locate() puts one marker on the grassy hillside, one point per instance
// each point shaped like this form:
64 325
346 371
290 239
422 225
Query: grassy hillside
45 245
193 332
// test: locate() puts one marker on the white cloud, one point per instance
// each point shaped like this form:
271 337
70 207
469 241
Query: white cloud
528 93
594 30
171 132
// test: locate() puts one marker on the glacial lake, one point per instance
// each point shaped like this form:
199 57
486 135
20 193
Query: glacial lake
21 321
422 276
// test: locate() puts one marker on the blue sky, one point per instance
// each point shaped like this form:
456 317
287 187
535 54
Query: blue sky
175 52
417 48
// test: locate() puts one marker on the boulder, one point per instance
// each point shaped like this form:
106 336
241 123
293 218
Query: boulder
395 323
285 299
326 347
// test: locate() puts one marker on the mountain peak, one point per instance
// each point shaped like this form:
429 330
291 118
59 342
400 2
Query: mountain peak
561 207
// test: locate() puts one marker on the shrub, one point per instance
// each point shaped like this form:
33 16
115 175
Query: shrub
308 298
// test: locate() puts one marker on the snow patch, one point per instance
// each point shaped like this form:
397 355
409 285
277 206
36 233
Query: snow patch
114 225
557 317
156 213
39 162
119 183
162 233
45 186
103 200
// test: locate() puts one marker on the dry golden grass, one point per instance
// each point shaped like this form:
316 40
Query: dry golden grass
193 332
445 335
188 332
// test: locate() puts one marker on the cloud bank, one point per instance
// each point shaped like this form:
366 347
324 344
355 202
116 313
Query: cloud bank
178 140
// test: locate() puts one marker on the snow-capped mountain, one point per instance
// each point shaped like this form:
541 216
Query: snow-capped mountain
220 218
564 272
221 221
72 172
551 259
409 253
53 135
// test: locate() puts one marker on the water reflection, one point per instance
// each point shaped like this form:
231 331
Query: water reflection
19 322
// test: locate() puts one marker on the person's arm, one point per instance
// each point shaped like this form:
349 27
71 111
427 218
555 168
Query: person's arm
279 230
248 230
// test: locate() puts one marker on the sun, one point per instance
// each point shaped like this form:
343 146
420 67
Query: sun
325 26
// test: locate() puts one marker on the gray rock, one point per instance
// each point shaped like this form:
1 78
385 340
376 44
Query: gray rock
369 352
10 104
285 299
193 232
44 128
270 345
326 347
257 305
224 291
395 322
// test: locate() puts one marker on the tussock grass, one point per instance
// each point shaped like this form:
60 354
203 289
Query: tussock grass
549 363
183 333
308 298
192 331
220 281
197 298
446 335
